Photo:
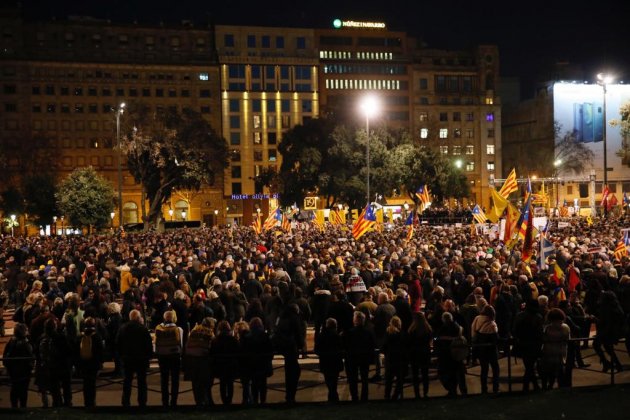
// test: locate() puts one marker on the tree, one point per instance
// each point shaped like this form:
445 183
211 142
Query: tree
168 150
86 198
39 196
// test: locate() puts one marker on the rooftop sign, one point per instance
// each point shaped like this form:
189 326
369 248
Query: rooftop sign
338 24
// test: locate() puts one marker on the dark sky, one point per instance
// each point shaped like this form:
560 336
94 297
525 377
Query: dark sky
531 35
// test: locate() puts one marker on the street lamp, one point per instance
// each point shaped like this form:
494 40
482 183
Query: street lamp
112 215
62 230
12 223
119 111
184 215
556 166
170 213
458 164
604 79
55 224
369 106
216 217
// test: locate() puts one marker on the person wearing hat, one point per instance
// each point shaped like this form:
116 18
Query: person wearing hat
90 350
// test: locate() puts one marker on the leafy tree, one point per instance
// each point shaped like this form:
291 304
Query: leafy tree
39 195
86 198
169 150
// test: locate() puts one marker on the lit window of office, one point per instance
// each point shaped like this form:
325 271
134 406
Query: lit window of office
489 116
424 133
470 149
490 149
443 133
470 166
203 76
457 150
489 101
444 150
490 166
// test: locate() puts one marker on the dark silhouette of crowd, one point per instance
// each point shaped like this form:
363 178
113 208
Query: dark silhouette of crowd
219 304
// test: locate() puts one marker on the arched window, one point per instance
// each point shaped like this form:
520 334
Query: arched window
130 212
180 207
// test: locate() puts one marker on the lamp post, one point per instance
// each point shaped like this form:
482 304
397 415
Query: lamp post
12 223
170 213
604 79
119 111
216 217
369 106
184 215
62 227
556 166
55 225
112 215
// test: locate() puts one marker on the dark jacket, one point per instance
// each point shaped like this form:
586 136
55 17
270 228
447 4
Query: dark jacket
360 346
224 353
258 353
22 365
134 343
329 348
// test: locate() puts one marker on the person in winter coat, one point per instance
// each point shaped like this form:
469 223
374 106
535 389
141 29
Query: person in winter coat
90 349
19 360
610 323
556 337
288 340
169 344
259 350
135 348
224 352
329 348
55 355
485 335
528 340
395 361
360 347
418 345
197 361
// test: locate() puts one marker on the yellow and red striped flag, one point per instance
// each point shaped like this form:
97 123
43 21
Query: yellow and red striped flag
273 219
286 223
257 224
366 221
510 185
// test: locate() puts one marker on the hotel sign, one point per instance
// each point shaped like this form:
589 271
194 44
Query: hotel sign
338 24
255 196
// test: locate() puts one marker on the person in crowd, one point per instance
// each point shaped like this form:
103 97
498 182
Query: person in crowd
451 368
224 354
135 348
169 343
610 321
329 348
289 339
528 338
197 361
395 360
485 335
90 349
55 355
258 350
556 335
18 359
418 352
360 346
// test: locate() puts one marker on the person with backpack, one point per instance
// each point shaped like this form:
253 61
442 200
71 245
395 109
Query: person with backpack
197 361
485 334
135 348
169 342
90 360
18 359
452 351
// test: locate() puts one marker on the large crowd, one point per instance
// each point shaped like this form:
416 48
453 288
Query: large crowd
219 303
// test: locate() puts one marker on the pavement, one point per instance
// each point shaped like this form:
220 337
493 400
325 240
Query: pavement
311 385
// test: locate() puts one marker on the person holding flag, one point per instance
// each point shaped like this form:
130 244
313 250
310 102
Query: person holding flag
411 220
424 196
366 221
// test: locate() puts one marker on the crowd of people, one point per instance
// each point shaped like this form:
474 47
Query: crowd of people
219 303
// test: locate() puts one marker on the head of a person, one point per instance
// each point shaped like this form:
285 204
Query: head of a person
256 324
447 318
556 316
170 317
20 330
395 325
89 325
489 312
135 316
224 328
331 324
358 319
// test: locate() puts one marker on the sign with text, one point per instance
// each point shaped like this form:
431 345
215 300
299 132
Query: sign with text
310 203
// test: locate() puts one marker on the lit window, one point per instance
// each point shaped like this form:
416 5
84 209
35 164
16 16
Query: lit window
470 149
470 166
470 133
457 133
444 150
457 150
203 76
489 101
257 122
443 133
424 133
491 166
272 155
490 116
490 149
424 116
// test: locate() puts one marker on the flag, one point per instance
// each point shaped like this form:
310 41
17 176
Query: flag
319 219
605 194
626 199
273 219
286 223
511 217
424 195
611 202
479 215
589 220
366 221
574 278
510 185
558 274
528 238
564 211
526 211
622 247
257 224
409 223
499 203
334 217
546 249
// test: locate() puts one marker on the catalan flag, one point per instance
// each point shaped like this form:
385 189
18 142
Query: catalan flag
409 223
510 185
526 211
478 215
366 221
424 195
622 247
286 223
528 240
605 194
257 224
334 217
273 219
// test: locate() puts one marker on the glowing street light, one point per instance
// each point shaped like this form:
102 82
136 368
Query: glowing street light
370 107
184 215
170 213
12 223
458 164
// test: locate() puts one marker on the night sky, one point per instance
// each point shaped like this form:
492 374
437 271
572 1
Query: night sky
531 36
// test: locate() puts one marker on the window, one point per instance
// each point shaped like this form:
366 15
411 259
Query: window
256 105
489 116
457 116
424 101
107 108
272 138
286 121
272 153
35 90
235 138
159 93
491 132
470 133
203 76
307 106
443 116
204 109
51 108
300 42
92 91
236 171
228 40
302 73
146 92
234 105
78 91
107 92
236 188
271 105
93 108
424 84
265 41
37 108
444 150
257 121
470 166
9 89
235 121
284 72
489 101
457 133
423 116
258 155
65 108
279 42
172 93
236 71
457 150
470 149
424 133
258 139
185 93
443 133
204 93
251 41
65 91
490 166
285 105
50 90
470 116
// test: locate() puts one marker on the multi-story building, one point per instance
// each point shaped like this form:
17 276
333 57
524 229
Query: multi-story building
360 57
456 108
269 84
62 80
